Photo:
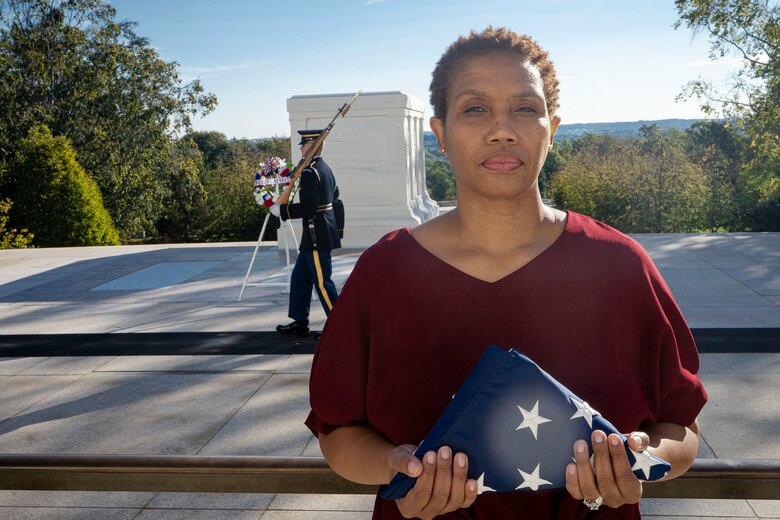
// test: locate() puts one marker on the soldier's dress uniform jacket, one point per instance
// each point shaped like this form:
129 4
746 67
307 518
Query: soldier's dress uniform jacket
316 193
320 235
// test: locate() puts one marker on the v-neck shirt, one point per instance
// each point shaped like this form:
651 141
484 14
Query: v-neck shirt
591 309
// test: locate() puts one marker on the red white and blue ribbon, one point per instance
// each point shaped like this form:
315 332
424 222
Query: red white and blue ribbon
273 172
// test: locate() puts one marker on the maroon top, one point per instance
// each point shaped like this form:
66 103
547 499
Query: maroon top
592 310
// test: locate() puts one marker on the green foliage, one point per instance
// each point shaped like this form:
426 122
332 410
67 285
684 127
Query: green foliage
214 148
185 204
71 66
720 152
275 147
11 238
439 177
556 160
232 213
54 197
639 185
749 29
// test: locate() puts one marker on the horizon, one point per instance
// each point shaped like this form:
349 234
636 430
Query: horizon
617 62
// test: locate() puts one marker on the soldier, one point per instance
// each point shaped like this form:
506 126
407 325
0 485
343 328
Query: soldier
316 194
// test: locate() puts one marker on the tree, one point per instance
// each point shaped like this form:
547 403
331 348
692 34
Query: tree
185 203
68 64
749 29
556 160
214 149
439 177
54 197
720 150
232 213
636 185
11 238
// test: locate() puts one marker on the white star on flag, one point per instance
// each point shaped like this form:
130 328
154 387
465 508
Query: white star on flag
531 419
481 420
644 462
583 410
531 480
481 487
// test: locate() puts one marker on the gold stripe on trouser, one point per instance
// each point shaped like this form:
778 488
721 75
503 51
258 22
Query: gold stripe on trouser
321 279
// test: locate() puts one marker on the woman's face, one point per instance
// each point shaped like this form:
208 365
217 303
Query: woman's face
497 132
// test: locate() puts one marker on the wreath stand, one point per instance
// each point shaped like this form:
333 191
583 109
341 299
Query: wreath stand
271 165
285 284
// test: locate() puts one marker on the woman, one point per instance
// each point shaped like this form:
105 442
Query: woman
579 298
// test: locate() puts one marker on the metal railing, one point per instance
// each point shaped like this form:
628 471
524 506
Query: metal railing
707 478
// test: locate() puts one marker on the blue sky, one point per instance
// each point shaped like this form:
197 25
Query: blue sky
618 60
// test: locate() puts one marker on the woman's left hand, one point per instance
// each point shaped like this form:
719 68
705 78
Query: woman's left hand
612 477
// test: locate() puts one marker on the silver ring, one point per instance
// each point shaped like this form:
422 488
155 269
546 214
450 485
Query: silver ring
593 505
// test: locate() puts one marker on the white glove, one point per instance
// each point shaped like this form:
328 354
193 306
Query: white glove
274 209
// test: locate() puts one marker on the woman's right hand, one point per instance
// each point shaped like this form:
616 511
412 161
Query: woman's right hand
442 486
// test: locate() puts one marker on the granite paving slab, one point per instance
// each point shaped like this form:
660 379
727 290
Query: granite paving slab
197 514
200 363
742 419
61 513
704 282
270 423
735 317
729 302
166 414
705 508
315 502
763 279
21 393
716 363
766 508
297 364
233 501
11 366
76 499
314 515
66 317
67 366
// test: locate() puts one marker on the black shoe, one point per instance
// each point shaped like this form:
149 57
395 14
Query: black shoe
296 327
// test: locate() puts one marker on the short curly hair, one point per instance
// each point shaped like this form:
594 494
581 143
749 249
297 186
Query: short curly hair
485 42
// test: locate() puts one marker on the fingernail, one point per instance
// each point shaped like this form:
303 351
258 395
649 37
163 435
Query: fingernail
413 468
614 441
472 486
430 458
571 469
638 439
580 447
445 453
598 437
461 460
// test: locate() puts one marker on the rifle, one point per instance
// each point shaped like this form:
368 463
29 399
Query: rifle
306 159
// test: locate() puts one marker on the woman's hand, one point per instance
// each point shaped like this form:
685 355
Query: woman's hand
442 483
612 477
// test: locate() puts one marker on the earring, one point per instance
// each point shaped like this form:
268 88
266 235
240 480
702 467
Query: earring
550 148
443 150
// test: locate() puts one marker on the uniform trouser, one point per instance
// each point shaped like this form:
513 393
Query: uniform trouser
312 269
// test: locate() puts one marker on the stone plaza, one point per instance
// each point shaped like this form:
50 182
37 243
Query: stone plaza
147 350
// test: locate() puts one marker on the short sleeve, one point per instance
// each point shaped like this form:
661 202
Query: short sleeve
681 393
672 388
337 387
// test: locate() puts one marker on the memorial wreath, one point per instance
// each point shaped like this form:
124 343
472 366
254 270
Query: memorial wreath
272 173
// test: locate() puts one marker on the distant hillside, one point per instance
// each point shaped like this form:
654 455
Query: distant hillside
620 129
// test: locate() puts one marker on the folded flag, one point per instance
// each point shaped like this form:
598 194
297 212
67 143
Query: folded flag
517 425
